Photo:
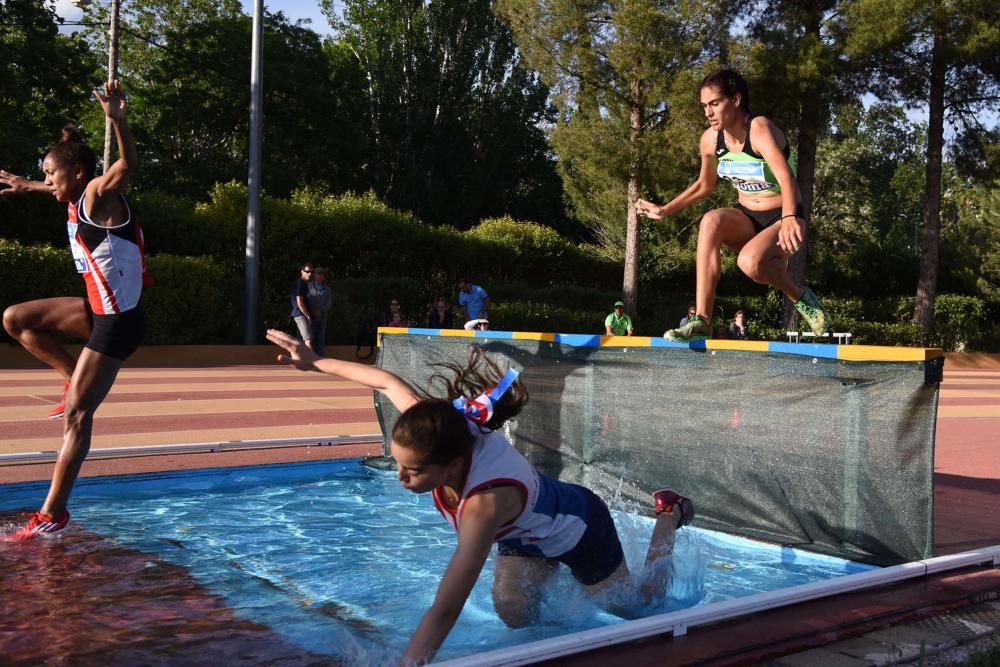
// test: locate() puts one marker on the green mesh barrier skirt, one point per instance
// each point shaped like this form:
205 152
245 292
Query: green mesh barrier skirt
824 454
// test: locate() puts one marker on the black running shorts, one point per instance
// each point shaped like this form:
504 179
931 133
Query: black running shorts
761 220
117 335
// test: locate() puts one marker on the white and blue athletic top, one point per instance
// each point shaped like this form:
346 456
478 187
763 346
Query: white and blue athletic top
554 516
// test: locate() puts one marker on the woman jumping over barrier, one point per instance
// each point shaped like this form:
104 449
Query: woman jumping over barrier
107 248
765 226
489 493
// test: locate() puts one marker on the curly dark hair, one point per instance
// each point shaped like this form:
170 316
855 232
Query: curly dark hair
72 152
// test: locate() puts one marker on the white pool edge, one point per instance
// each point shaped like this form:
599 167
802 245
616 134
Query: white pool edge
678 622
200 447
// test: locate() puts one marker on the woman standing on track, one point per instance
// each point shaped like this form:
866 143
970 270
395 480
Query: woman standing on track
765 226
489 493
107 247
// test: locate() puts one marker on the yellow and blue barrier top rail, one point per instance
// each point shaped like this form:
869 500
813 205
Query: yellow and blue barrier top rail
821 350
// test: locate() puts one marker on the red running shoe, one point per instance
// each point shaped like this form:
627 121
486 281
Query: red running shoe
40 525
664 501
57 412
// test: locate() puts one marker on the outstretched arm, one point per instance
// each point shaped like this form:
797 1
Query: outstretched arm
19 185
482 516
114 181
298 355
701 188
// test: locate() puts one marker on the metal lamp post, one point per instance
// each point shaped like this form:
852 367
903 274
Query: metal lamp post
252 268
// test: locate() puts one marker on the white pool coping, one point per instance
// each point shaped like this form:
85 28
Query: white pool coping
678 622
200 447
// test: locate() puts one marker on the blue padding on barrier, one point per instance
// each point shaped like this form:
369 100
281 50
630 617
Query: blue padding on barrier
579 340
424 332
507 335
663 342
805 349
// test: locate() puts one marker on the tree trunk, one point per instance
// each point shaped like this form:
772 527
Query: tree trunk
630 284
923 312
811 118
808 133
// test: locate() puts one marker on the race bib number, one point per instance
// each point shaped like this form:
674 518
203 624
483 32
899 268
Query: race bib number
746 176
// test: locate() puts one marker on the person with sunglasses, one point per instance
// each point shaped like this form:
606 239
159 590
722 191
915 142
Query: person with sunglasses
300 308
394 318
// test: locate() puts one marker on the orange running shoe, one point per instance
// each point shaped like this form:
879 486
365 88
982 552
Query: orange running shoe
57 412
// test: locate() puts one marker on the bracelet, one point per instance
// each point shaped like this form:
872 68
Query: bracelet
790 215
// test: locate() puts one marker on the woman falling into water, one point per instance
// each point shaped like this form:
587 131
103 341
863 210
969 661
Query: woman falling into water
489 493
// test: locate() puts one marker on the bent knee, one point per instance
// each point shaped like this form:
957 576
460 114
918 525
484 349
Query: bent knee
750 263
515 610
515 618
12 320
711 222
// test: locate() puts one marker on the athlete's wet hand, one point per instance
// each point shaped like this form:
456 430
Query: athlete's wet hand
790 235
18 184
298 355
112 100
649 209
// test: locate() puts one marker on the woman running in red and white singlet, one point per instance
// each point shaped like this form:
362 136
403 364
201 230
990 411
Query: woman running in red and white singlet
107 247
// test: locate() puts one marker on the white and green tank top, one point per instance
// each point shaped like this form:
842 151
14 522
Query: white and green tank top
746 169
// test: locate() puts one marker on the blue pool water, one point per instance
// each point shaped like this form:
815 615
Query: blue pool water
336 559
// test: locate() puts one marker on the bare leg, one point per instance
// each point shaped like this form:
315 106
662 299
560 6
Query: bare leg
764 262
722 226
90 384
35 325
517 585
620 594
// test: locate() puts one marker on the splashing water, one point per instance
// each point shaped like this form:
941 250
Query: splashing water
298 564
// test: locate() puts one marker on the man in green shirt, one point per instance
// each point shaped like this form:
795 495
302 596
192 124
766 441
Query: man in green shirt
618 323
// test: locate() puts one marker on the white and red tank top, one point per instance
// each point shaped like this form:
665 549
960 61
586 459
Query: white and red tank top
553 518
111 259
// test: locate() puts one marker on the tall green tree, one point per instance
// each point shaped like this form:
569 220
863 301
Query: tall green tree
186 64
618 70
868 201
45 80
800 68
938 53
455 121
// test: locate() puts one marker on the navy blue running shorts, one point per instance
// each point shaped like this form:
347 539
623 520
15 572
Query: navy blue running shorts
598 553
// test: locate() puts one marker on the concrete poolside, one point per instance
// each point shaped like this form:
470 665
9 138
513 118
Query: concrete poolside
170 395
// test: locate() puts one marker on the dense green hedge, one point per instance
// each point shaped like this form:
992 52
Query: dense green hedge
359 237
191 300
538 280
961 321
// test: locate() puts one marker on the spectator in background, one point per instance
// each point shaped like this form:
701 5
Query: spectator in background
618 323
300 308
738 329
691 313
440 316
319 301
474 299
394 317
477 325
